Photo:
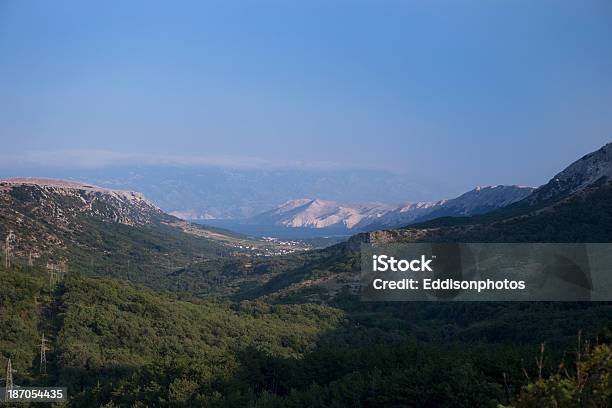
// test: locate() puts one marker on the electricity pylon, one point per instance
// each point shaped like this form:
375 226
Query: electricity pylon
53 275
9 380
7 249
43 355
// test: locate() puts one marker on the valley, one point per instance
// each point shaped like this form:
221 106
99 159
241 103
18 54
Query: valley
144 309
305 204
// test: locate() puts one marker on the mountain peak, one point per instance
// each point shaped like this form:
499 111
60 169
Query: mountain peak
584 172
587 170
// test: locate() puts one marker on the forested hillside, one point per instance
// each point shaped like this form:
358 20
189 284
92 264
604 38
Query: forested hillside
118 344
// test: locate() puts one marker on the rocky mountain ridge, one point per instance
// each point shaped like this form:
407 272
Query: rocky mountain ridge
578 196
121 206
590 169
316 213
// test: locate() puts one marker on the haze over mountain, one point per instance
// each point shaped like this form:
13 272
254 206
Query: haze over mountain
216 192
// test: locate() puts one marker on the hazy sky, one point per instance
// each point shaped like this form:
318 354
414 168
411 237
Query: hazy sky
475 92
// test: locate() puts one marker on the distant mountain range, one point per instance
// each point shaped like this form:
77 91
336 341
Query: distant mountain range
586 172
324 214
575 206
202 193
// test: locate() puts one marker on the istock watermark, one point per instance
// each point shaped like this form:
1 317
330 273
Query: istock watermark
486 272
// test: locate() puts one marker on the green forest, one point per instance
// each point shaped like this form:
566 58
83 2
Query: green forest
114 343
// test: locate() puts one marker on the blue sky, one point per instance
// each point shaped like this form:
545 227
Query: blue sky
468 93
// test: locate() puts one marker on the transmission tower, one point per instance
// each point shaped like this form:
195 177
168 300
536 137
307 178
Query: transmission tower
43 355
7 249
9 380
63 270
53 274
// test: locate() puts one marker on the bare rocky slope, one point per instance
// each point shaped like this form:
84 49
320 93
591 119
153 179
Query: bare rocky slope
125 207
316 213
593 168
